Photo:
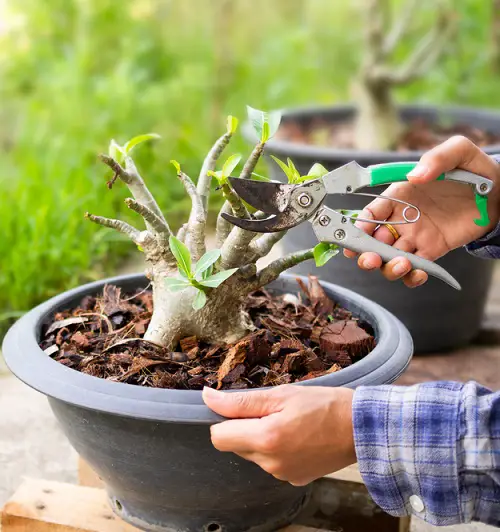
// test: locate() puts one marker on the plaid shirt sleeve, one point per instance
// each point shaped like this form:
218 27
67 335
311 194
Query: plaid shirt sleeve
431 450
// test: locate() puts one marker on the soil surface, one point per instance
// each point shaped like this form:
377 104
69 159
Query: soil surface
298 337
419 134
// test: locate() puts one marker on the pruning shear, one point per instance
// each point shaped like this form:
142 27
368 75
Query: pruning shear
289 205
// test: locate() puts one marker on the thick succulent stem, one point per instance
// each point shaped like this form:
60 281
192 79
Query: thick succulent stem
120 226
261 246
131 177
205 180
195 233
273 270
223 227
160 226
221 320
252 161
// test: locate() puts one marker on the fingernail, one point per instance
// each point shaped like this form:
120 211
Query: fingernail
210 391
400 268
419 171
367 264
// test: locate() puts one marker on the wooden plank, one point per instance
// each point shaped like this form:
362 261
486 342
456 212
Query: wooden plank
87 476
48 506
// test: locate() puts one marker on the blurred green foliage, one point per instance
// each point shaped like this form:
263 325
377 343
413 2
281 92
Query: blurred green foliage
76 73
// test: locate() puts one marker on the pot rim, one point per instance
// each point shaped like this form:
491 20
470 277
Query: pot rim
30 364
297 149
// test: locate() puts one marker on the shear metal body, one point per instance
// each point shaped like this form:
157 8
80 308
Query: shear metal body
289 205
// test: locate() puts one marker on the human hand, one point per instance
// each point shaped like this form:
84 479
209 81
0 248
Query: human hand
448 210
295 433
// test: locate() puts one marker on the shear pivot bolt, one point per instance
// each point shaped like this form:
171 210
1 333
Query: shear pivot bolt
324 220
483 187
304 200
339 234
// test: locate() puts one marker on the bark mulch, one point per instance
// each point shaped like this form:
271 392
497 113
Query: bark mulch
297 337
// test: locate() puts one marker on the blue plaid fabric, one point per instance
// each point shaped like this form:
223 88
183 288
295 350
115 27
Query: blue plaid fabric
437 442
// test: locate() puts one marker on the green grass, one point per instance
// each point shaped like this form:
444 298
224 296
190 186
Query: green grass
76 73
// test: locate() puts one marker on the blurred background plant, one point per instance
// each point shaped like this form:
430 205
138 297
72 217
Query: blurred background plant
76 73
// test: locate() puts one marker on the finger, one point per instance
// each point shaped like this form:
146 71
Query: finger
415 278
378 209
243 405
399 266
369 261
237 436
384 235
456 152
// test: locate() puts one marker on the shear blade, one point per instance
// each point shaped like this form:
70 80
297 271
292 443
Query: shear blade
271 198
273 224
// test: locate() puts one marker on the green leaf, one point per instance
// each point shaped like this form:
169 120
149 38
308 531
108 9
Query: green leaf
231 163
232 124
274 120
176 165
265 132
207 260
317 170
323 252
137 140
283 166
208 272
116 151
259 177
351 214
217 279
293 171
221 179
181 254
264 124
176 284
200 300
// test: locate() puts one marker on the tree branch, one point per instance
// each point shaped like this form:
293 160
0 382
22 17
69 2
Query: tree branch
205 180
131 177
223 227
400 26
118 225
160 226
273 270
425 54
263 245
195 234
181 233
375 23
234 200
252 161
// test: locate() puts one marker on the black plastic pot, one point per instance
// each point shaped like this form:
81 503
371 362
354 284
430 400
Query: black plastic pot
438 317
152 447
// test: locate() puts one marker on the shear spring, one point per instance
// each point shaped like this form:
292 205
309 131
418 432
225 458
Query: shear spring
406 220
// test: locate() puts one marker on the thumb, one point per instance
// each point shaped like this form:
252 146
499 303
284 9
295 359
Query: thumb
243 404
456 152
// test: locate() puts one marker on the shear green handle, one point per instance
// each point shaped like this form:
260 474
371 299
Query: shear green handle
385 174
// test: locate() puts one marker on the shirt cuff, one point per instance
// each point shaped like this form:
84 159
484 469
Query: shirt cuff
406 445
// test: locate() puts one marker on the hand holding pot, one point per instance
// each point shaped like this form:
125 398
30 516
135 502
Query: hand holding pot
448 210
297 434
